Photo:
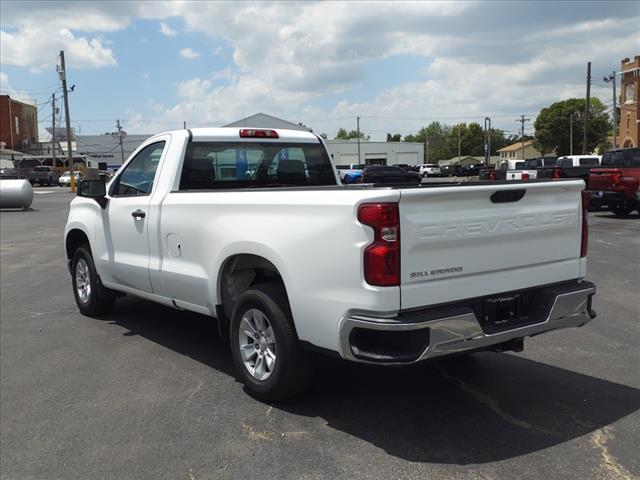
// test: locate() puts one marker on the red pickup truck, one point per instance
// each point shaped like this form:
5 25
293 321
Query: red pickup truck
615 184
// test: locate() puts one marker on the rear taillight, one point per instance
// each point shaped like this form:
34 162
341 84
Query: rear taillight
258 133
382 257
616 178
556 173
525 176
584 242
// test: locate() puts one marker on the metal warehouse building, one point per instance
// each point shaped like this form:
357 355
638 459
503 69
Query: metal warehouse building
345 152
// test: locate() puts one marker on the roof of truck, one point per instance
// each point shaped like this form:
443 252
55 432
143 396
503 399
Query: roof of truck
232 134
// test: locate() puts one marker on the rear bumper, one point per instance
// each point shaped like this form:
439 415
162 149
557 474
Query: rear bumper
434 332
605 197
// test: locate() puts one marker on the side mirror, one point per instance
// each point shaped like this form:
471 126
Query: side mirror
93 189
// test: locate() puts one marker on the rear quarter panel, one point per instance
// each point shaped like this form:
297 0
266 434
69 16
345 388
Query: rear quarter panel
312 237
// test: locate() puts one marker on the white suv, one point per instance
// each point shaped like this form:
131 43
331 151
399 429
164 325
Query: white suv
430 170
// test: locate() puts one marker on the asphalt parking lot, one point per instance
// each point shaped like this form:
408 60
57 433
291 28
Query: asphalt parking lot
149 392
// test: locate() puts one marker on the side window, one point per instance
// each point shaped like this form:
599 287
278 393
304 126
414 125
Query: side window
137 177
589 161
633 156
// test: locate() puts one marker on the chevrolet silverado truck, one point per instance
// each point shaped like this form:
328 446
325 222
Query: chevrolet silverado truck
253 228
615 184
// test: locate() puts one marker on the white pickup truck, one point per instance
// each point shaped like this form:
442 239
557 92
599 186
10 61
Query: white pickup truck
253 228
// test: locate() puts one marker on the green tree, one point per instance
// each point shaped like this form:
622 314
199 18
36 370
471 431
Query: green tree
437 134
344 135
394 138
443 140
553 127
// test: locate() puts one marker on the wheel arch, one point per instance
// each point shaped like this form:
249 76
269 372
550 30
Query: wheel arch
237 273
74 238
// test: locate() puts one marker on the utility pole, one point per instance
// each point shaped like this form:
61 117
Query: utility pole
459 141
63 76
184 124
487 143
358 132
571 133
120 135
612 78
522 120
53 130
586 110
426 142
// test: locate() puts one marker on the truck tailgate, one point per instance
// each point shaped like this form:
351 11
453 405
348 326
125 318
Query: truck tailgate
604 178
463 242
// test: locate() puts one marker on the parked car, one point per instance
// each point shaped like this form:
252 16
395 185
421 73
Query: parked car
429 170
65 178
487 173
8 173
450 170
344 170
570 166
388 175
614 185
404 166
471 170
354 176
290 260
44 175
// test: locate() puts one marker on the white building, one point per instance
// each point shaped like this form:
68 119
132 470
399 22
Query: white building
105 151
345 152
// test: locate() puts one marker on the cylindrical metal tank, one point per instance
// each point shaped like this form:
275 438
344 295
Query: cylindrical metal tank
15 194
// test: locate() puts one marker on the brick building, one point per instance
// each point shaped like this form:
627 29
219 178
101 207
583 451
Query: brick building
18 123
629 102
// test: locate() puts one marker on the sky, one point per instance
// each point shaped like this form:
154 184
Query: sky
398 66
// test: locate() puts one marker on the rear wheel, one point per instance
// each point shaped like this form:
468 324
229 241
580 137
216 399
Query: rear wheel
623 208
266 351
91 296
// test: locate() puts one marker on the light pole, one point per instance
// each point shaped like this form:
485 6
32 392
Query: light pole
612 78
487 141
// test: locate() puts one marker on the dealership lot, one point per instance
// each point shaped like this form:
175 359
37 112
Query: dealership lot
149 392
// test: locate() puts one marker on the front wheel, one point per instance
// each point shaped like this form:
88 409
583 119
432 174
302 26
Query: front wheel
265 349
91 296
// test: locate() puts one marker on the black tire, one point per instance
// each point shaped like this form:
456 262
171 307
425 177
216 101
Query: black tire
100 299
292 372
623 208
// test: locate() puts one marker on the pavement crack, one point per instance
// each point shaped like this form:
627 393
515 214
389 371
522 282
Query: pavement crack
608 463
493 405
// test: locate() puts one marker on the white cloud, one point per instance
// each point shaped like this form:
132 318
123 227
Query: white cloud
6 89
477 59
189 53
38 47
167 31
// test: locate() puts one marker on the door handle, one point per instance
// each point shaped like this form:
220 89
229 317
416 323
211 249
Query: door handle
138 214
